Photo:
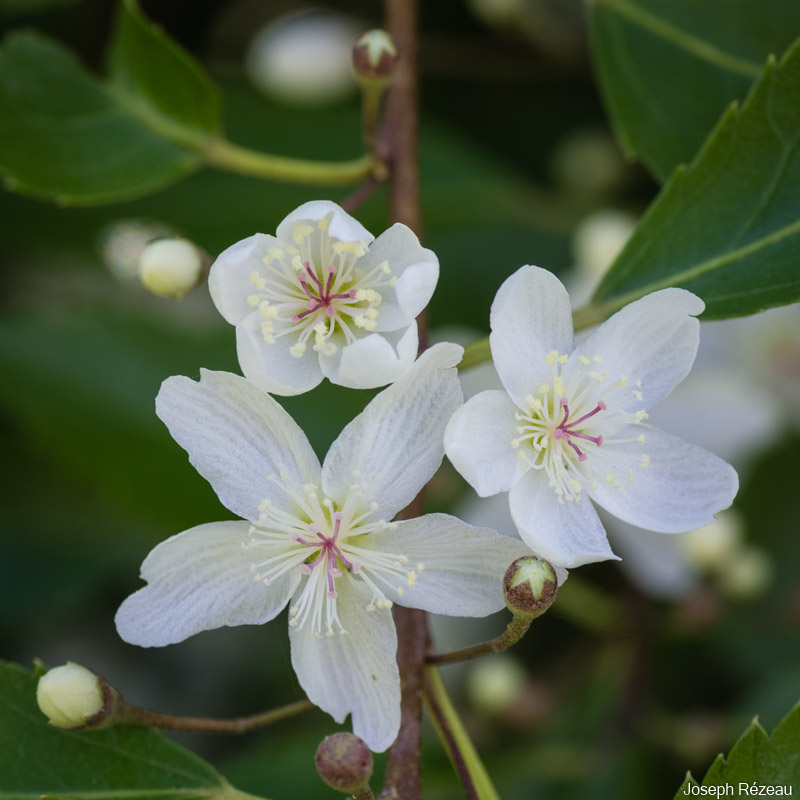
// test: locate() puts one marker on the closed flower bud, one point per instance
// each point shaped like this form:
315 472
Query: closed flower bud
170 267
529 586
374 57
72 696
344 762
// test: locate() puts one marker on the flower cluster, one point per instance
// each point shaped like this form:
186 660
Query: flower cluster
322 299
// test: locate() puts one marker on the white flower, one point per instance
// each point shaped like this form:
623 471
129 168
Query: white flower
322 299
319 537
572 423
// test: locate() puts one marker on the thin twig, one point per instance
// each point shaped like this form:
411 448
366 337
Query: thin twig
516 629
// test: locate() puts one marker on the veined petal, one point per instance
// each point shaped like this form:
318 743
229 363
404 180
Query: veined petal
477 441
272 367
355 672
653 340
199 580
342 226
459 568
395 443
530 316
675 486
377 359
567 534
229 280
237 436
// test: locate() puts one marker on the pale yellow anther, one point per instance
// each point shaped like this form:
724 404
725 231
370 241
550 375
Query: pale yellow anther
609 477
641 415
292 251
372 313
640 438
529 399
630 476
393 281
324 224
645 462
297 263
329 349
551 357
298 349
563 359
597 359
544 389
623 381
257 280
585 361
300 232
384 268
515 444
638 395
575 486
253 300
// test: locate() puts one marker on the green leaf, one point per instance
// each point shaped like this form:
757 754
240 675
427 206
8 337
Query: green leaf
728 227
668 68
65 136
758 759
38 760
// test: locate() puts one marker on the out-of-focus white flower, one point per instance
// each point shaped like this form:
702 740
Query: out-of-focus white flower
304 58
712 546
588 162
121 244
170 267
321 298
69 695
746 574
572 424
319 537
495 684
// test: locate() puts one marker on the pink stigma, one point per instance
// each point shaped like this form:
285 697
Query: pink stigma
329 552
566 429
320 295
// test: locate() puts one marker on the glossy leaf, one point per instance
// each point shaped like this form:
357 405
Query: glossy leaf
38 760
66 136
728 227
757 759
668 68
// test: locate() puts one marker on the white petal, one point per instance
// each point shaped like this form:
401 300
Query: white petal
681 489
395 443
236 436
197 581
342 226
416 269
355 672
652 561
229 280
653 340
567 534
530 317
272 367
463 566
377 359
477 441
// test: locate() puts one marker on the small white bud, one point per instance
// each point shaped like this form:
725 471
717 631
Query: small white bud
170 267
70 695
747 574
711 548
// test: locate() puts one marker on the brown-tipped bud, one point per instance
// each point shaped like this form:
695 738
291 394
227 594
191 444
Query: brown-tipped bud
374 58
344 762
530 586
74 697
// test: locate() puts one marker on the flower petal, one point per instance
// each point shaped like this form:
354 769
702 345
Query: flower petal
395 443
530 317
567 534
200 580
463 566
477 441
236 436
272 367
377 359
416 269
229 279
681 489
342 226
653 340
356 672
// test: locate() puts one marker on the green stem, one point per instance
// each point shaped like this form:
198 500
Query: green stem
476 353
462 753
516 629
132 715
226 155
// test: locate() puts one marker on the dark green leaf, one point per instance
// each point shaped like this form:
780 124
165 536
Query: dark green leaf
668 68
758 759
728 227
39 760
65 136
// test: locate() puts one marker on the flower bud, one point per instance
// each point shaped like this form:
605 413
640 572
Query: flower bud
170 267
72 696
530 586
747 574
374 57
344 762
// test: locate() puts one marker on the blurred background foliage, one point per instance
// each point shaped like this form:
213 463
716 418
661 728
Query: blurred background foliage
614 692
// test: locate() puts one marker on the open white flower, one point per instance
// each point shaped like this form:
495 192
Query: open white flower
571 424
319 537
322 299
